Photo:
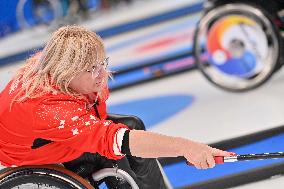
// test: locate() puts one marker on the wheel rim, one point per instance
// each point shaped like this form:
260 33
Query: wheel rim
50 177
236 47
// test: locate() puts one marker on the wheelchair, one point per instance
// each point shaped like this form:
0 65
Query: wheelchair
238 44
57 177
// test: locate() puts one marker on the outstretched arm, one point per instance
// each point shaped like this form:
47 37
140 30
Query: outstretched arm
152 145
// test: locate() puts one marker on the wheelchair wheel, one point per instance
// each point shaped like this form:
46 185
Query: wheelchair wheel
237 46
30 13
41 177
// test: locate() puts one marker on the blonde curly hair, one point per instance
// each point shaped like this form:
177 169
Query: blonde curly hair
71 50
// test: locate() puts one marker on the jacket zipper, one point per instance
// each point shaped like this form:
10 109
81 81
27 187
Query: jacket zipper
97 111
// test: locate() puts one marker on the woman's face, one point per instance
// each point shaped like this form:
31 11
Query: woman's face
91 80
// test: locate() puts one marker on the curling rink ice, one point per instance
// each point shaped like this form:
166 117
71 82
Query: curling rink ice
213 115
274 182
182 105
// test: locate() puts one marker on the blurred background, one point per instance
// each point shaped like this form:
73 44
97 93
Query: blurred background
205 70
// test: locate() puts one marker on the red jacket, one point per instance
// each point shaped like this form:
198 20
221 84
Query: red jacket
60 118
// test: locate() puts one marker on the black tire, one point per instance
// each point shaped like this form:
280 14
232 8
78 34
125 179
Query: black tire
42 177
257 14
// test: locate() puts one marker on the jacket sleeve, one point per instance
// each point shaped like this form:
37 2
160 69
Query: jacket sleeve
69 123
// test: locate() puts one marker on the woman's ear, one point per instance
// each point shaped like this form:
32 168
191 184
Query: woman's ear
73 84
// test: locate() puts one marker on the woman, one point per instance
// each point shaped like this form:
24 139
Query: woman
54 111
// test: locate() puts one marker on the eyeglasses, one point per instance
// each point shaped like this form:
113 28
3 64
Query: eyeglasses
96 68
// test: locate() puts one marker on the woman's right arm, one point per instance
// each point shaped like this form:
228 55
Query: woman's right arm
147 144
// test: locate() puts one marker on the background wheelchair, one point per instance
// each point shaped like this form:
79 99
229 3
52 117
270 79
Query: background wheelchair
57 177
238 44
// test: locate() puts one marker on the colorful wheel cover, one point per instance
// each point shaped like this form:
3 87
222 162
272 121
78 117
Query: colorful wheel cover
237 46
